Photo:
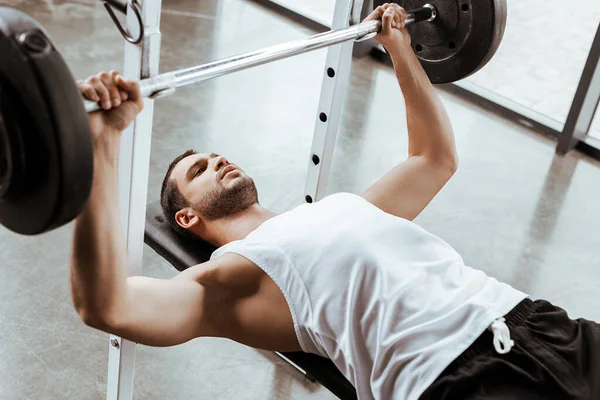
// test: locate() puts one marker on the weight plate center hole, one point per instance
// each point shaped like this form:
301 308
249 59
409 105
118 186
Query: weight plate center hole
464 8
418 48
452 45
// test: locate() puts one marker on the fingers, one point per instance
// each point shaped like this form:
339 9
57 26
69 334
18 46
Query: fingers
118 96
400 16
107 78
378 12
396 22
104 88
387 21
132 90
393 17
88 91
101 91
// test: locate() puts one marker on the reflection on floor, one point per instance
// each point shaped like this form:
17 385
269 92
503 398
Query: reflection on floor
513 209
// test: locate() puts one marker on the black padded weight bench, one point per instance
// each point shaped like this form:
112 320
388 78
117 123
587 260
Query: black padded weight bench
182 253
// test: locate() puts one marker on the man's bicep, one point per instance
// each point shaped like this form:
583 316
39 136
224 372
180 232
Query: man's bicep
163 312
407 189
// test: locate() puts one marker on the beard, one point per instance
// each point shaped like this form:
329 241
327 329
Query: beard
221 202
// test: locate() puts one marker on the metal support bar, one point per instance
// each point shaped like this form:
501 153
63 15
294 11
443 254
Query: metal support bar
336 76
141 62
356 12
364 47
584 103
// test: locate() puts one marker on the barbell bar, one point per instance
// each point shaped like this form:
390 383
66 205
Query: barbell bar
165 84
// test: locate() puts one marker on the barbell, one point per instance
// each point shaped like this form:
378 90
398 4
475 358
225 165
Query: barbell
46 154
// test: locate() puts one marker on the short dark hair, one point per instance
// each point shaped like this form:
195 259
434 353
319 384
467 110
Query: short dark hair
171 199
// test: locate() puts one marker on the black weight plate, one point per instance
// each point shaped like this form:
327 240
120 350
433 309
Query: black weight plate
47 129
11 147
461 40
6 168
499 27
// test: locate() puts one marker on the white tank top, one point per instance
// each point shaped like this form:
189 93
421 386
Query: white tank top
389 303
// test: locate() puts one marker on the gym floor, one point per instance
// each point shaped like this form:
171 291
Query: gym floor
514 209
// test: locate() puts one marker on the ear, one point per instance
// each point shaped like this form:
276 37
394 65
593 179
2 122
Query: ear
186 218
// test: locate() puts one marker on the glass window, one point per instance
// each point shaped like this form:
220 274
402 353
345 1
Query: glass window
542 55
540 60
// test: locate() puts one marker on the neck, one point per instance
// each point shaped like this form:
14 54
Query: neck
235 227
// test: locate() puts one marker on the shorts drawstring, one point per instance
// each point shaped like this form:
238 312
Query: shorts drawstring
502 342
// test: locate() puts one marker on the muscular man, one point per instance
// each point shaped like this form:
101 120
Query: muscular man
350 277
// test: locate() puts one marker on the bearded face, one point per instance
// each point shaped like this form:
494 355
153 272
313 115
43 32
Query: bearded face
232 194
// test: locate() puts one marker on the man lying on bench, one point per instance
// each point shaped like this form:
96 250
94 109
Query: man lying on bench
350 278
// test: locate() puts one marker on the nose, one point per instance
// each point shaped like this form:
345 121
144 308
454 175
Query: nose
219 162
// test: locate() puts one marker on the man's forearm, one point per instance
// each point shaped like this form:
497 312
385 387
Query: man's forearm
429 128
98 263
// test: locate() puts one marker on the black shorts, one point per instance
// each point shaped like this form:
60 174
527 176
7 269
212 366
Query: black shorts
554 357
